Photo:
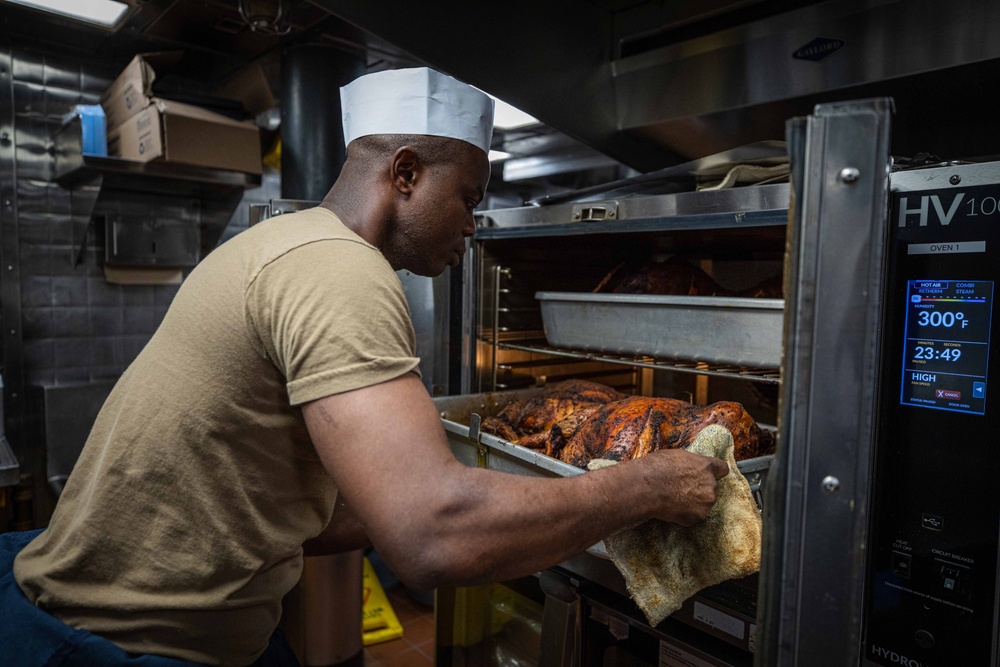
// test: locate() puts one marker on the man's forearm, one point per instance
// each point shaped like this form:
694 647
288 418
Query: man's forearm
500 526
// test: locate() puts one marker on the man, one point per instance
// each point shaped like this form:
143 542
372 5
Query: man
278 405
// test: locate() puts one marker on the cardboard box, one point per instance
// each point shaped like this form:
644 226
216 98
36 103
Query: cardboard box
132 91
250 87
186 134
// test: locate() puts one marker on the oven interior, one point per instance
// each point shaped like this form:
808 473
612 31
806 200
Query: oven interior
511 350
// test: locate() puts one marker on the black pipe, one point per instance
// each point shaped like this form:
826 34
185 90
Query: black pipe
312 136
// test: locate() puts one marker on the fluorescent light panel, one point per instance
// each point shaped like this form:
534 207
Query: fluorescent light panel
496 156
102 12
507 117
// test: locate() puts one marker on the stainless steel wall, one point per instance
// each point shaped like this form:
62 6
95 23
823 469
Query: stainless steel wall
62 322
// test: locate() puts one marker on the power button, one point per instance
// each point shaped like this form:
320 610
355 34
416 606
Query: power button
924 639
901 564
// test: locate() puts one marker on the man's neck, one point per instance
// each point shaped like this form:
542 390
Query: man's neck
360 214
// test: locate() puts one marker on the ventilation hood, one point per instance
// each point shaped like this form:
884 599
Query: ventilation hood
651 84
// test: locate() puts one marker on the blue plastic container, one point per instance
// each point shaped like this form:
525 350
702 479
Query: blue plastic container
95 137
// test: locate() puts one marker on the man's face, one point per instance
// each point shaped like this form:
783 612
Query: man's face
436 218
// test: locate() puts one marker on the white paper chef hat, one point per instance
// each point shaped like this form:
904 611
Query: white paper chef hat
416 101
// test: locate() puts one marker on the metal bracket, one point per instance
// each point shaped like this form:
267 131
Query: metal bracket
475 423
259 213
475 434
595 211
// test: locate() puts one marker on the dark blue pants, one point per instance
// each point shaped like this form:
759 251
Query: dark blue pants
31 637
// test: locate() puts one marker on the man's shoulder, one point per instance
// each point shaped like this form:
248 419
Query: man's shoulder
294 229
283 237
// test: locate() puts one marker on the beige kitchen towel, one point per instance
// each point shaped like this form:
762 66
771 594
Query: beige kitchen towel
665 564
746 174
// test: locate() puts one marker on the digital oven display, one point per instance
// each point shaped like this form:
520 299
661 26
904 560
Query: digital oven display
946 344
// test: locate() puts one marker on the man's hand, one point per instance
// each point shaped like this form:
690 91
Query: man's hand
688 484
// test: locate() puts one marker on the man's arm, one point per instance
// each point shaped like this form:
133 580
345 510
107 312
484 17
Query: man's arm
438 522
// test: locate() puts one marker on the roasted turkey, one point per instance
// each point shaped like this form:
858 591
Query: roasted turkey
772 288
673 276
576 421
676 277
563 404
636 426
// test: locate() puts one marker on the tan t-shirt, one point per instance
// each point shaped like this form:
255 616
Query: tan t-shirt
182 525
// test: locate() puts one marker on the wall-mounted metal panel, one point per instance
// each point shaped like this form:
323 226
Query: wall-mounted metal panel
10 265
62 321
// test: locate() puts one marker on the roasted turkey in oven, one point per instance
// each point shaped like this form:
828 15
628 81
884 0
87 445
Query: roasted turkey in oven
637 425
577 420
676 277
673 276
563 404
772 288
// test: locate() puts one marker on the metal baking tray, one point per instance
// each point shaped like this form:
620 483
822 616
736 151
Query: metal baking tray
728 330
461 417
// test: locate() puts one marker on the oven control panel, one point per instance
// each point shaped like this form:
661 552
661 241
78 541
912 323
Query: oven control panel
931 597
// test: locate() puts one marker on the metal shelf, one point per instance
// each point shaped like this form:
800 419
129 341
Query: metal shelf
748 207
108 187
74 168
764 375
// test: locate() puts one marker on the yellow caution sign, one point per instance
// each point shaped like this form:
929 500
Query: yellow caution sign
272 158
378 620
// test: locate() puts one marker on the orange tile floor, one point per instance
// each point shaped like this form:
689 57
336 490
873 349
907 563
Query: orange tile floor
416 647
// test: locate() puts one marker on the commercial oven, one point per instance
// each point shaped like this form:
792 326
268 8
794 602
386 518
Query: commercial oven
533 319
881 523
881 526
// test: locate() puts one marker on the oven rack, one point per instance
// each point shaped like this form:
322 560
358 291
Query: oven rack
541 346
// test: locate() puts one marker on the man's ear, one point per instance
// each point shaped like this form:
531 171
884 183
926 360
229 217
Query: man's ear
406 168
